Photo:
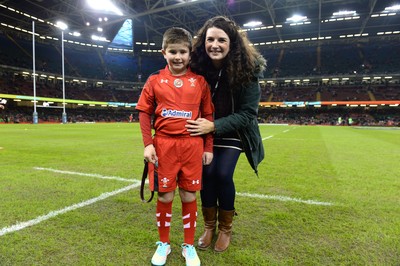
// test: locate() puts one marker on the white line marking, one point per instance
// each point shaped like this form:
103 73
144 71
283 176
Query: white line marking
84 174
265 124
287 130
260 196
267 137
283 198
22 225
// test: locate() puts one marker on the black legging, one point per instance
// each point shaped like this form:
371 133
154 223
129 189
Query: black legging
218 186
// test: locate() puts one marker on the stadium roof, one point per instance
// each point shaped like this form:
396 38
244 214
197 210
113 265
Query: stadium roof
150 18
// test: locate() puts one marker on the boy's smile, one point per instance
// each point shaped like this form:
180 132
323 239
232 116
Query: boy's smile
177 56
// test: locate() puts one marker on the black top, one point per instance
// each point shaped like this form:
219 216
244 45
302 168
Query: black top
223 104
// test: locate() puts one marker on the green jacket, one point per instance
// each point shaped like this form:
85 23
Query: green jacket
243 120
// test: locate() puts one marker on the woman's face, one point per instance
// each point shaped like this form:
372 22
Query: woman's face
217 45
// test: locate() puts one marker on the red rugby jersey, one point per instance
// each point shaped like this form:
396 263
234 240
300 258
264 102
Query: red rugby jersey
175 99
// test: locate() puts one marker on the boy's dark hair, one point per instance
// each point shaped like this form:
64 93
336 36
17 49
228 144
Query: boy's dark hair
177 35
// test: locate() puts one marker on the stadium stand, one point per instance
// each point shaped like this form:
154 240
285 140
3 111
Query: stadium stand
353 70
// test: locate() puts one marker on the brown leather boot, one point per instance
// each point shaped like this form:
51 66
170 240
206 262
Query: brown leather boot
225 219
210 220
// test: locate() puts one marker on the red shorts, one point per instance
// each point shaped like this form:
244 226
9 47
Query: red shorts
179 164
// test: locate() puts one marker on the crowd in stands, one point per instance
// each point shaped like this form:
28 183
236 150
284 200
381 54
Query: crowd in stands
24 114
338 116
87 62
113 92
334 59
52 88
122 76
327 92
375 57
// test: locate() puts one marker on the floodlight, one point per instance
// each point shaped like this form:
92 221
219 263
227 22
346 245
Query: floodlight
104 5
98 38
296 18
61 25
393 8
252 24
344 13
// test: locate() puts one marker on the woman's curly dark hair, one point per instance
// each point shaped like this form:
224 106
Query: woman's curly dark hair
242 62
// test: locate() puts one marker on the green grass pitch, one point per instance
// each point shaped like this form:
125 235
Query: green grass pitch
324 196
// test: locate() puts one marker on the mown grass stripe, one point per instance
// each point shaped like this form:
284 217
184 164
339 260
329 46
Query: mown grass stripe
22 225
260 196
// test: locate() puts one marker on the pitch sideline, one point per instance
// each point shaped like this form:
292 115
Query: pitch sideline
136 183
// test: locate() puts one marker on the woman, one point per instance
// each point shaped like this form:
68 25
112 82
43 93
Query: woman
224 56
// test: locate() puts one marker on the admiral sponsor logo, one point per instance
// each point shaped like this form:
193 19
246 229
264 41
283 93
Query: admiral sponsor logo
176 113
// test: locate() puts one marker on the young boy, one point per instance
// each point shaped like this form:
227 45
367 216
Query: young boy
173 95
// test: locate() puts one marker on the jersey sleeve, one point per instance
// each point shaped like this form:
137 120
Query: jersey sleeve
146 101
146 107
145 127
207 111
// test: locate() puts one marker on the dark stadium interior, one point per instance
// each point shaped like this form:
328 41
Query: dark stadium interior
327 59
152 17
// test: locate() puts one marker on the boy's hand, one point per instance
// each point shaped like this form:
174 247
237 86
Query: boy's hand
150 154
207 158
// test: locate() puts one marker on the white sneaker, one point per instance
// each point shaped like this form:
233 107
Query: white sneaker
190 255
160 256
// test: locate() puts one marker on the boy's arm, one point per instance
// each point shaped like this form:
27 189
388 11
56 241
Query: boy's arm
208 144
145 126
209 138
207 112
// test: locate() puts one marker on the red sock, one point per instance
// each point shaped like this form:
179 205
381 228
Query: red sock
163 215
189 217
